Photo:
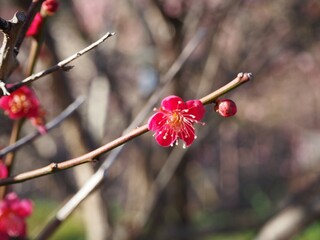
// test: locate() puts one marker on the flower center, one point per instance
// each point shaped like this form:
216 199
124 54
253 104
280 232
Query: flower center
20 103
175 120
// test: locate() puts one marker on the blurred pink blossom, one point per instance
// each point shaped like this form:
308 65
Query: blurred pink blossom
23 103
3 171
35 26
50 7
13 213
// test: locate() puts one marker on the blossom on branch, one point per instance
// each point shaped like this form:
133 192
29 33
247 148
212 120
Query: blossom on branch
175 119
23 103
13 214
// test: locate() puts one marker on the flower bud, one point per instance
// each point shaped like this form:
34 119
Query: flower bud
35 26
50 7
225 107
3 170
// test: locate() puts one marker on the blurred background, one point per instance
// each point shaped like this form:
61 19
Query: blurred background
245 177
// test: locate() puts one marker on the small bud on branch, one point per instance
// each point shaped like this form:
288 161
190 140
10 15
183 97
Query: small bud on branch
226 107
89 157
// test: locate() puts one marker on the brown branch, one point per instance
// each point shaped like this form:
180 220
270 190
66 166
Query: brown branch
8 54
91 156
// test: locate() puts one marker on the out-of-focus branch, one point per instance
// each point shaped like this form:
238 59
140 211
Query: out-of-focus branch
236 225
290 221
8 54
32 10
52 124
59 66
91 156
298 212
15 132
4 25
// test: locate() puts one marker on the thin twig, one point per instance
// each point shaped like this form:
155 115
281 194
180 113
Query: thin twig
52 124
239 80
61 65
9 159
88 157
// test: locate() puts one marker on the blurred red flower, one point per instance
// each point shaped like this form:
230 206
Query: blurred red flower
35 26
50 6
13 213
3 171
175 119
23 103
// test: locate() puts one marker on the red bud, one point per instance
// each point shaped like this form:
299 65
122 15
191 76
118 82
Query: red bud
225 107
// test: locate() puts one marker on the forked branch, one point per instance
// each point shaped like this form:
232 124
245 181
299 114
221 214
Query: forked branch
63 65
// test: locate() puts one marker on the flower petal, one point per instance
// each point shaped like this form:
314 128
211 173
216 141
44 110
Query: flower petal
187 136
166 137
155 121
35 25
4 102
13 225
23 208
21 103
12 197
175 119
3 170
196 108
4 236
172 103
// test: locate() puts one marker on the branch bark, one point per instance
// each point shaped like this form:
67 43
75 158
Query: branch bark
8 52
62 65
